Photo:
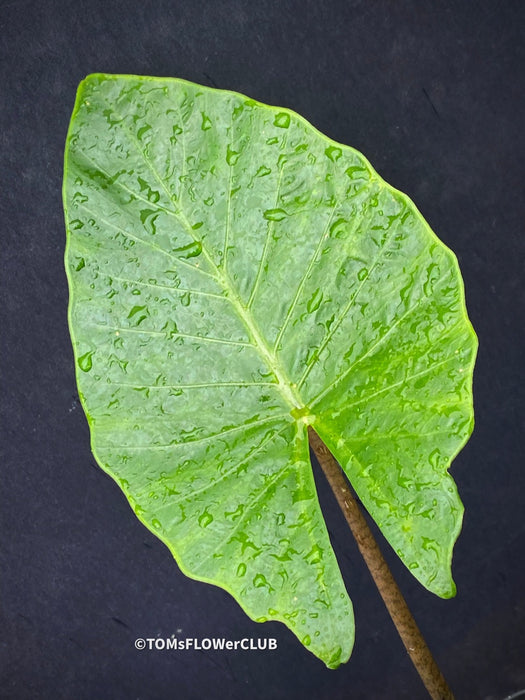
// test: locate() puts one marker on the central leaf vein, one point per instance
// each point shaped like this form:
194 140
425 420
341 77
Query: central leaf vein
286 388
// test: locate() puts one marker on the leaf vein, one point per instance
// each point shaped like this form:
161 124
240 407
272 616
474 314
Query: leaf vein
228 212
207 438
342 315
182 290
195 386
247 512
303 280
402 382
199 338
247 457
377 344
268 232
147 243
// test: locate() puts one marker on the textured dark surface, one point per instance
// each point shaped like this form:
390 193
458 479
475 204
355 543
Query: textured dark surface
431 94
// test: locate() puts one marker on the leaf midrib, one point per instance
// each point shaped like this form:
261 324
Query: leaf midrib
285 386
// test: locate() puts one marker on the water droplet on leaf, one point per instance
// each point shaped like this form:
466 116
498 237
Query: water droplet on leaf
334 153
315 301
282 120
85 362
231 156
263 170
206 122
275 214
205 519
192 250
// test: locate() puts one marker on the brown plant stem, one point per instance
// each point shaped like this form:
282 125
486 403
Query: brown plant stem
396 605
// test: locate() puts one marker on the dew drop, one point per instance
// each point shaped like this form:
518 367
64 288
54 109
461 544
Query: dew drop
356 172
205 519
263 170
152 195
259 581
432 277
206 122
333 152
142 131
315 301
315 555
275 214
185 299
429 544
171 330
434 458
334 659
231 156
85 362
138 314
337 229
192 250
241 570
282 120
307 640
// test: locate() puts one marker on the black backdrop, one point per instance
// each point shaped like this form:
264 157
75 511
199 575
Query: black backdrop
432 94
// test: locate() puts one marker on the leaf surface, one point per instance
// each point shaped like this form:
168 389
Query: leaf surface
236 276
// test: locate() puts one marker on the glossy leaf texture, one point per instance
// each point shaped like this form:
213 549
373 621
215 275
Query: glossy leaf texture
236 276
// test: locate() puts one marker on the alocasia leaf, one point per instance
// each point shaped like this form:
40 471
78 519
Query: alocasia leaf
235 277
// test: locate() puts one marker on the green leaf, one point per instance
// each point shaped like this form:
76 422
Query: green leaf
243 277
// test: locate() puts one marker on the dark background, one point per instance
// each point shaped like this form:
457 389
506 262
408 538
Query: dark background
432 94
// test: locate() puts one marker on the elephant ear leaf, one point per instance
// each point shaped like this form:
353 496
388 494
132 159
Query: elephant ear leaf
235 277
